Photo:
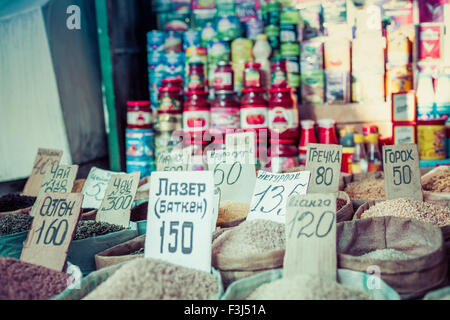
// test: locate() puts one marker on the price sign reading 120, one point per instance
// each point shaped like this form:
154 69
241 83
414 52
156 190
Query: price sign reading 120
402 172
180 213
271 193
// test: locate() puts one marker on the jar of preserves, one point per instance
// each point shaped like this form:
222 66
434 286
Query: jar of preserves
170 97
252 75
279 72
196 76
139 115
225 112
283 114
196 116
254 110
283 155
224 77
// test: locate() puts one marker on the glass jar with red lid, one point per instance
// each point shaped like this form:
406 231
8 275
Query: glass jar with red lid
196 116
224 77
170 96
225 112
196 76
252 75
139 115
283 155
307 135
254 110
279 72
327 132
283 114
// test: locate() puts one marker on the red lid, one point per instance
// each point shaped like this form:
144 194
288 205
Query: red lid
252 65
280 89
248 90
169 89
199 92
138 103
432 122
172 81
283 141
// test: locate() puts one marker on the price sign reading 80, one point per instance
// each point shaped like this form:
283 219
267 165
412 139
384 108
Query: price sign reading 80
272 191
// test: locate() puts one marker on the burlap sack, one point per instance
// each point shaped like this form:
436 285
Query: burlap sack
252 262
346 212
228 277
120 253
78 185
411 278
429 195
238 210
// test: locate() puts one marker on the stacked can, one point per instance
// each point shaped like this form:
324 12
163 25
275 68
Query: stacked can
312 73
140 138
156 66
290 46
241 53
271 17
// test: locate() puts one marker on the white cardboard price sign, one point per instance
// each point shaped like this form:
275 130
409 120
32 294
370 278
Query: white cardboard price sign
58 179
402 172
176 159
44 159
234 178
324 163
179 218
95 187
52 230
311 236
119 198
242 145
272 191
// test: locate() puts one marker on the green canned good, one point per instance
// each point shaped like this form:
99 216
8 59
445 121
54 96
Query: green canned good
289 16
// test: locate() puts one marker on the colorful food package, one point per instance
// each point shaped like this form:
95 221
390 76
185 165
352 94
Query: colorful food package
430 43
310 21
431 10
337 86
335 11
313 87
337 54
311 55
399 79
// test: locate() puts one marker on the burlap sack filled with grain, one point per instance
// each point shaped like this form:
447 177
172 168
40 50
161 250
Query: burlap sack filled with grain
250 248
344 207
78 185
436 184
409 254
120 253
363 187
232 213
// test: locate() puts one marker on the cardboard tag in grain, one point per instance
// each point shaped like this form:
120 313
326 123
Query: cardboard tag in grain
232 175
272 191
241 147
324 163
52 230
176 159
402 172
58 179
44 159
179 219
311 236
118 200
95 187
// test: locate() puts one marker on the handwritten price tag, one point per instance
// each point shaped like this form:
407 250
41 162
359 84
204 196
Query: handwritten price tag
234 178
44 159
176 159
95 187
272 191
242 146
402 172
180 214
311 236
324 163
52 230
119 196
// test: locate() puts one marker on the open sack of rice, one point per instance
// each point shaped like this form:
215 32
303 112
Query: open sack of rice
408 254
147 279
271 285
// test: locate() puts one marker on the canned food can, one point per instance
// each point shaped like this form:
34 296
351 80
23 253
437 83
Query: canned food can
191 38
140 144
289 49
228 28
208 34
431 139
173 42
155 41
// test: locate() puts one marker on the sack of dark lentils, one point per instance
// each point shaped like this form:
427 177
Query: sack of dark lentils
408 253
13 233
92 237
15 203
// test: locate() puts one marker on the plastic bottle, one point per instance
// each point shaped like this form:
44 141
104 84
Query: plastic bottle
425 96
262 51
307 136
374 155
443 95
359 161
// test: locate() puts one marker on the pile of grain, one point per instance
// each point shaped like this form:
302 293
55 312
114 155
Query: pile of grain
386 255
253 237
151 279
232 211
15 223
408 208
13 202
307 287
438 183
91 228
368 189
24 281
